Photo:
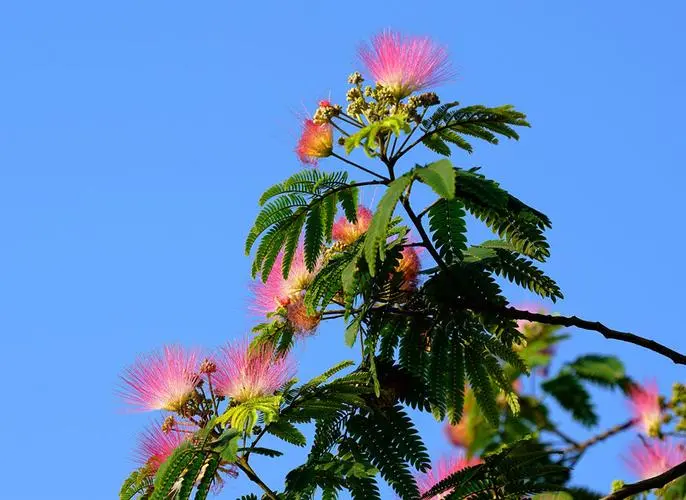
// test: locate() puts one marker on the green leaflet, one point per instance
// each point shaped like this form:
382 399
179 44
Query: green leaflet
439 176
572 396
448 229
367 137
374 244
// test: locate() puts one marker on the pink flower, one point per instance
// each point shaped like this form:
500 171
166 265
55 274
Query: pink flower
316 141
441 470
405 64
654 457
278 292
409 267
155 445
161 380
245 372
461 434
645 405
348 232
298 317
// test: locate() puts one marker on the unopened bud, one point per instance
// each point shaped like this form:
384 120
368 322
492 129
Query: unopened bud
208 366
168 424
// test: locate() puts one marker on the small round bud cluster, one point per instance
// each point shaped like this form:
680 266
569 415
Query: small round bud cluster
326 112
368 91
208 366
168 424
353 94
355 78
357 107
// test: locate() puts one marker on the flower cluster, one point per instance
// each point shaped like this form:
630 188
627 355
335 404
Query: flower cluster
176 380
441 470
645 406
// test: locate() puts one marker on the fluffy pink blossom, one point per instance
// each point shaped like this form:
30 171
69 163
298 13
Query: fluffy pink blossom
405 64
162 380
409 266
298 317
245 372
441 470
644 402
155 445
278 292
348 232
316 141
654 457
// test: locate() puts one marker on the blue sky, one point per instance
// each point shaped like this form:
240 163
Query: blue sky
135 138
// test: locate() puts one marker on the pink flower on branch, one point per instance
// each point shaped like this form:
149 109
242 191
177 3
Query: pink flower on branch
278 291
156 445
440 471
316 141
405 64
409 267
645 405
245 372
348 232
161 380
652 458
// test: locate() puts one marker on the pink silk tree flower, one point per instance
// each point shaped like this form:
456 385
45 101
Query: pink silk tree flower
155 445
441 470
316 141
245 372
405 64
409 267
302 322
278 291
347 232
654 457
644 402
161 380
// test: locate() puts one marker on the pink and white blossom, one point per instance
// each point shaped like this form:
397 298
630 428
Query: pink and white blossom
316 141
405 64
654 457
245 372
277 291
162 380
347 232
441 470
156 445
644 402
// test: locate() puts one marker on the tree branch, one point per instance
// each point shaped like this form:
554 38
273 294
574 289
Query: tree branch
242 464
602 436
364 169
648 484
608 333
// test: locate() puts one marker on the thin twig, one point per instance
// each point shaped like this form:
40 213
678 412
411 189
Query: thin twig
608 333
364 169
242 464
648 484
580 447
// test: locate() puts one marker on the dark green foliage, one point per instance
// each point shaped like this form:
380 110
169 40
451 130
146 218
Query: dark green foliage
449 125
572 396
606 371
520 225
448 229
203 487
385 452
307 199
139 482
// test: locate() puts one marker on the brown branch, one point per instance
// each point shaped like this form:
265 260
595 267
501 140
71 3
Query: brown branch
242 464
581 447
608 333
648 484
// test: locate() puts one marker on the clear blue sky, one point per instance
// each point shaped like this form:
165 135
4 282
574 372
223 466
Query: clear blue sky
135 138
